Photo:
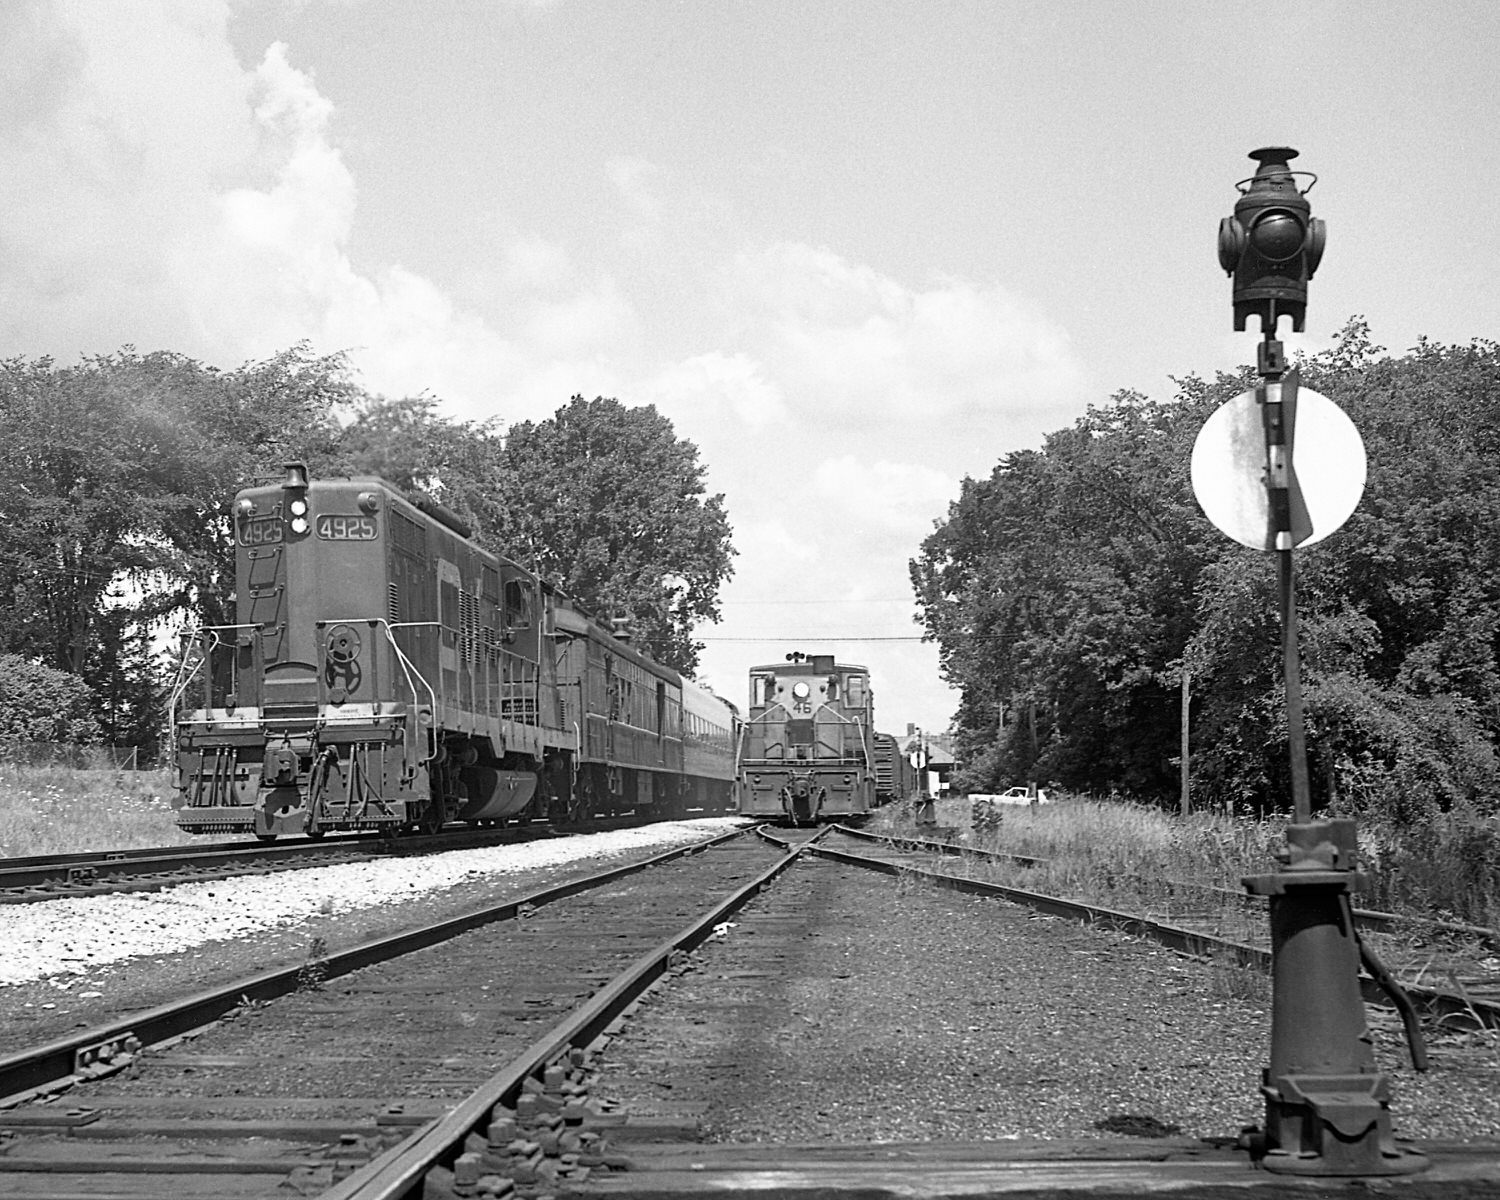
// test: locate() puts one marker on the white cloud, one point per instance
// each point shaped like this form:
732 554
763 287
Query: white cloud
709 389
889 499
862 345
534 263
160 193
634 179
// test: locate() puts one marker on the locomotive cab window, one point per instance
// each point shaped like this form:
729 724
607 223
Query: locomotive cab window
833 687
762 688
854 691
517 605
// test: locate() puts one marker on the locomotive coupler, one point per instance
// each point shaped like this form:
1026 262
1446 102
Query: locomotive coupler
802 798
1327 1106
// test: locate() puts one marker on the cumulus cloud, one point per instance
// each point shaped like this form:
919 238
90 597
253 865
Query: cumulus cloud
866 347
161 193
712 388
894 500
635 180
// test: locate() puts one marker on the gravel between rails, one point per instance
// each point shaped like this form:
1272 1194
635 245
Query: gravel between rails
871 1010
76 963
845 1007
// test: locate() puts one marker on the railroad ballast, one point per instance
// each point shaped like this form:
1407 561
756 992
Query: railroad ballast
386 672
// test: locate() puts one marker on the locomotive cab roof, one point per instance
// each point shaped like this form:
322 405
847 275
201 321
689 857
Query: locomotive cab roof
811 664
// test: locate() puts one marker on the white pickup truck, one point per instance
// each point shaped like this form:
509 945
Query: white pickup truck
1015 795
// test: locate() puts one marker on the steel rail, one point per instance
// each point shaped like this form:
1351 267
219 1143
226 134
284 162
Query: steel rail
101 1050
1367 918
948 848
27 880
400 1173
1431 1002
55 877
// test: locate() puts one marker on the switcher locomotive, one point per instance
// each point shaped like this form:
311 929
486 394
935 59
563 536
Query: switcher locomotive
808 747
385 672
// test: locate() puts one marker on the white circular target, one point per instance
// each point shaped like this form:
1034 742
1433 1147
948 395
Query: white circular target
1229 467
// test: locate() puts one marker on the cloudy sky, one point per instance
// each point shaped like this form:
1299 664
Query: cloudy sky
854 250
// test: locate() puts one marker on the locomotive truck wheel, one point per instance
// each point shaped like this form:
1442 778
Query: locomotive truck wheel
261 828
431 820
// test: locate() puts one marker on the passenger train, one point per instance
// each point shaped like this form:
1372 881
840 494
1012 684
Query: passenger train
384 672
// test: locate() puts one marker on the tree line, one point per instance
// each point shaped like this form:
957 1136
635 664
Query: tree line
117 475
1071 590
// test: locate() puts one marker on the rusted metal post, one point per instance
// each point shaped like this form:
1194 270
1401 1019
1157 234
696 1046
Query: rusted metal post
1327 1106
926 804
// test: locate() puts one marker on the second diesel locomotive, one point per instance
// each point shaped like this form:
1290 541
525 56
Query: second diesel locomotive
808 747
385 672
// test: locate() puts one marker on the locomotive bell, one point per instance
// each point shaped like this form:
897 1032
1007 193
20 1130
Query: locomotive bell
1272 244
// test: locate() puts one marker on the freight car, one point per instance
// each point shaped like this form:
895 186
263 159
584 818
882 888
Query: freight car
895 776
808 746
387 673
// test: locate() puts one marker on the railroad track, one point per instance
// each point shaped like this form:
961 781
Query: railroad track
60 876
1369 919
1473 1000
272 1096
494 1074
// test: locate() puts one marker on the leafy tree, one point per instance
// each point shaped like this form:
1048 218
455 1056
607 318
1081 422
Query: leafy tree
211 433
129 684
118 473
39 703
610 502
406 442
1076 584
1055 593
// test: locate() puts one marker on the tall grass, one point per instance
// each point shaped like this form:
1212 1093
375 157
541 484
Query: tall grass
57 810
1131 856
1447 867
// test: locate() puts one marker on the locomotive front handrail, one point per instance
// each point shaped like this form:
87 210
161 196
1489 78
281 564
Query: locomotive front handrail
183 681
406 665
768 714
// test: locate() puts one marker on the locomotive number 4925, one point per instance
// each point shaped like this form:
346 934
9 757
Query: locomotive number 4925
347 529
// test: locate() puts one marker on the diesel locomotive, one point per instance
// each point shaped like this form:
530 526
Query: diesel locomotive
808 747
384 672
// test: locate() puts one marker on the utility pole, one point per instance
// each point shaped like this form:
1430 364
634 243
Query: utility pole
1187 794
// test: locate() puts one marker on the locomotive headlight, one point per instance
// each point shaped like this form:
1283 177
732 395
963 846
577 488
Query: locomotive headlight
298 507
299 524
801 691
